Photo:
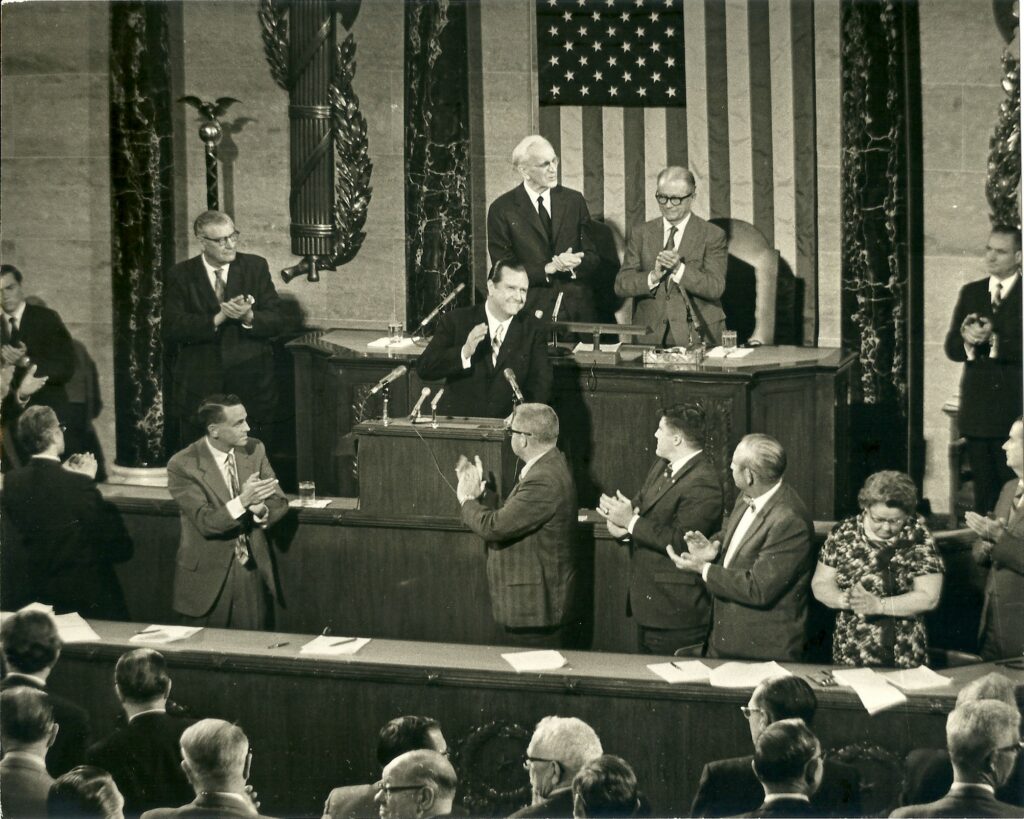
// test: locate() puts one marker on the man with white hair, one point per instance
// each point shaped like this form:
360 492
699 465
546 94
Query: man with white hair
983 738
559 748
215 757
417 784
547 228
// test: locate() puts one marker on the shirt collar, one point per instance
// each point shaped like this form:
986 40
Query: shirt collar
38 680
775 797
24 756
220 458
17 314
210 268
493 323
531 462
1008 284
43 457
760 501
679 463
961 787
666 228
533 193
148 711
229 796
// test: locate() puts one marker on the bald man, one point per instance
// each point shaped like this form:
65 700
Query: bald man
417 784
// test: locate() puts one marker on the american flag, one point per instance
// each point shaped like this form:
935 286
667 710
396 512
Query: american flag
745 72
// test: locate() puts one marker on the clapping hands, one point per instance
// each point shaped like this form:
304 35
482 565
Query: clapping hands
471 478
83 463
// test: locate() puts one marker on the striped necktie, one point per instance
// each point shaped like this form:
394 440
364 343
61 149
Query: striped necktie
220 285
242 554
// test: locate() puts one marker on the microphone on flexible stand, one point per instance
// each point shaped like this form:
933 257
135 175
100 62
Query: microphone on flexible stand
511 378
415 414
395 374
433 407
433 314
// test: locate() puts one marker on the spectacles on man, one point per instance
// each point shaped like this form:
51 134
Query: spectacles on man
536 760
223 241
1014 748
388 789
750 710
665 199
512 431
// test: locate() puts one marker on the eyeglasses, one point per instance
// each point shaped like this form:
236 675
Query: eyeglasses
536 759
1015 748
224 241
664 199
388 789
551 163
889 523
749 711
512 431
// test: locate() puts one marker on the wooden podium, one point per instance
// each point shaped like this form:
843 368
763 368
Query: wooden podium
408 468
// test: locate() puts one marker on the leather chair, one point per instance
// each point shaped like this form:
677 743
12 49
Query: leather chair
752 273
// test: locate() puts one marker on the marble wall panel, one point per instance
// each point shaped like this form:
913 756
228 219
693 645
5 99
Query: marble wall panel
981 113
959 42
942 121
59 37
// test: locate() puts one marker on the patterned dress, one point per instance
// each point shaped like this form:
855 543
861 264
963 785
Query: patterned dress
885 570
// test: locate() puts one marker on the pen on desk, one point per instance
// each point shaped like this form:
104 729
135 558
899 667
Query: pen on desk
149 630
342 641
279 645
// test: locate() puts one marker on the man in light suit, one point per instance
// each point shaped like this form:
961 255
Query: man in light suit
27 730
673 258
759 571
986 335
228 496
681 494
983 738
474 345
547 228
1002 548
533 565
220 313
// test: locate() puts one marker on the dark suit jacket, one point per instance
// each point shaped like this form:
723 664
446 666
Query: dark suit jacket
760 600
514 231
557 806
661 596
23 789
784 808
703 249
49 347
533 567
67 538
207 804
208 532
352 802
482 389
975 802
145 760
68 749
990 388
928 773
229 358
1002 617
729 787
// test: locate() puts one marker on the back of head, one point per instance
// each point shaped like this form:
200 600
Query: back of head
427 767
37 428
993 686
25 717
539 420
567 740
787 697
403 734
141 675
606 786
764 456
975 730
30 641
85 791
783 751
214 750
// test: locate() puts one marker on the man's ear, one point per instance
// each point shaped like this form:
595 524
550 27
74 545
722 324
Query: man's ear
247 766
54 730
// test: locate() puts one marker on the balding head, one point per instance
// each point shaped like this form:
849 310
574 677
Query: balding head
215 756
417 783
758 463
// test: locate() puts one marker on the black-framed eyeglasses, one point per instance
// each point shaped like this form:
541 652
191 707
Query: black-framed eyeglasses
1014 748
387 789
536 759
665 199
224 240
512 431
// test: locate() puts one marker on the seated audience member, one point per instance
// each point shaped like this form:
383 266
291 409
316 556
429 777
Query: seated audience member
69 536
215 756
400 735
606 786
27 731
31 647
928 772
86 791
983 739
881 571
559 748
788 764
729 786
417 784
143 756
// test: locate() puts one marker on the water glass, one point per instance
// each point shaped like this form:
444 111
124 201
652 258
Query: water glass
729 339
307 492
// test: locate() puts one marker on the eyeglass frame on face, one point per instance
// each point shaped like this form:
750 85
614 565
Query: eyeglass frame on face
894 524
551 163
750 710
1015 748
665 199
537 759
388 789
512 431
223 240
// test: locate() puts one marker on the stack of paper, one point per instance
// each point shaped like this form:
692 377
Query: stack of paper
73 628
334 646
319 503
875 692
682 671
164 634
588 347
745 675
386 342
916 679
535 660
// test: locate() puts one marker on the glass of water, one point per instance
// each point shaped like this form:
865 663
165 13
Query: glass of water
394 332
729 339
307 492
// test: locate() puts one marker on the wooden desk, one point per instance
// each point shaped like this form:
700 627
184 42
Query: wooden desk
608 413
313 721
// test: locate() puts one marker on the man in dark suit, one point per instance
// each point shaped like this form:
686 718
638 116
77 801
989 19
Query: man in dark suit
27 730
759 571
546 227
681 494
417 785
31 648
533 564
729 786
788 764
1001 548
220 313
400 735
228 496
558 749
66 536
143 756
985 334
216 758
676 255
983 739
473 346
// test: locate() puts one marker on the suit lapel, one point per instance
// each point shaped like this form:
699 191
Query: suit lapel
529 214
759 520
692 238
200 284
557 213
511 342
211 473
655 497
734 519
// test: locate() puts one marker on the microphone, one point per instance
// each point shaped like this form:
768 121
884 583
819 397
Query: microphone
419 403
558 306
434 313
396 373
437 400
511 378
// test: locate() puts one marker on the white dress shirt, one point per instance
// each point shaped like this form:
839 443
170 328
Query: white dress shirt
742 528
234 506
492 328
654 277
676 465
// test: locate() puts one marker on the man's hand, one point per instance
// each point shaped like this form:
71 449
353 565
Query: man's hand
260 514
250 791
986 528
616 532
618 509
700 547
864 602
471 479
13 353
567 261
236 308
83 463
981 551
476 335
255 490
666 260
976 329
685 561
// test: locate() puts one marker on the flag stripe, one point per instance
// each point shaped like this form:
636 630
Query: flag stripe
741 177
676 136
697 104
656 139
571 131
614 175
717 72
633 150
549 126
761 117
593 159
783 142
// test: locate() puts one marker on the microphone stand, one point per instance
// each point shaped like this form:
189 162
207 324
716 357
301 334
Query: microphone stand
386 392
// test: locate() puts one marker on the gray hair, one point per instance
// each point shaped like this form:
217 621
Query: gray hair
993 686
210 217
525 148
37 428
763 455
891 488
678 172
428 766
214 748
569 740
539 420
975 729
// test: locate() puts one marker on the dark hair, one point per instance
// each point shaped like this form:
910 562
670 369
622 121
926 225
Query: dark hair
1001 229
211 409
10 268
607 787
783 750
787 698
403 734
85 791
141 675
496 272
25 714
30 641
688 420
36 428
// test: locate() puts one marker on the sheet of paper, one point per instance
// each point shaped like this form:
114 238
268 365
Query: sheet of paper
588 347
734 352
916 679
43 607
745 675
319 503
385 343
334 646
682 672
164 634
546 660
73 628
874 691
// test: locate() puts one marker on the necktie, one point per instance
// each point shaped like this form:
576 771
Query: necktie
14 334
496 340
749 501
242 542
670 244
220 285
545 217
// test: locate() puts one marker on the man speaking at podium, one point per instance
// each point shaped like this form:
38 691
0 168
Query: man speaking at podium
475 347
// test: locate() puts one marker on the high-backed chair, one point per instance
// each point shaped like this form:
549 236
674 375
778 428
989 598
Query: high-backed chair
751 281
